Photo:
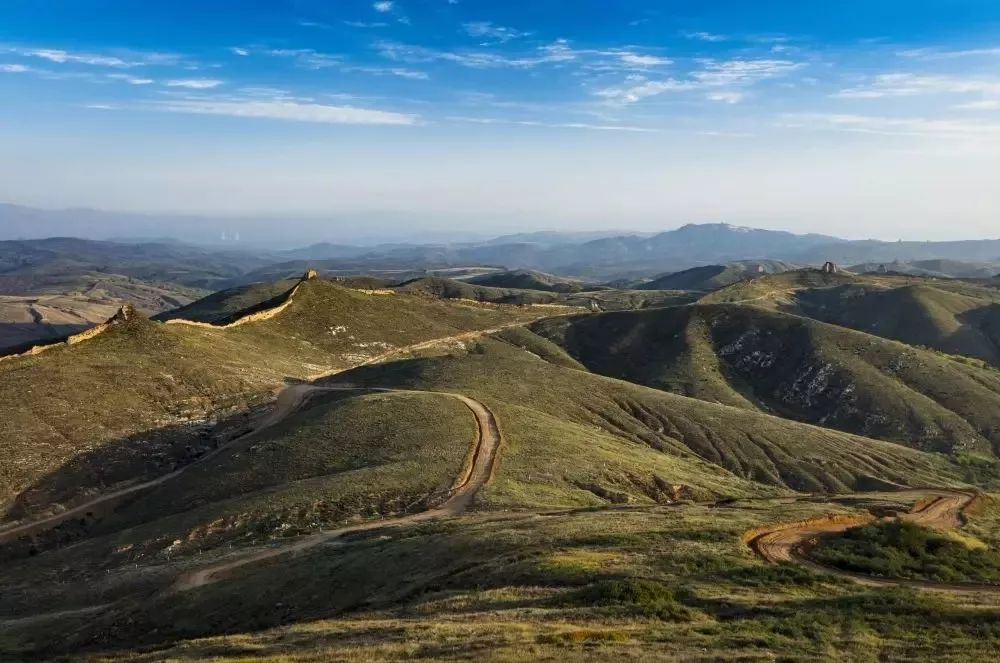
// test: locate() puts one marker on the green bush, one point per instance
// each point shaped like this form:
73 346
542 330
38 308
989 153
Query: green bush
643 597
903 550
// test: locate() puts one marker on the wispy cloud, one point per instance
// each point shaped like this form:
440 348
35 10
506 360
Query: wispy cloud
243 52
282 109
713 74
984 105
706 36
400 72
554 125
366 24
307 58
909 85
743 72
14 68
726 97
473 59
558 52
131 80
315 24
898 126
121 60
491 32
383 6
640 60
195 83
943 54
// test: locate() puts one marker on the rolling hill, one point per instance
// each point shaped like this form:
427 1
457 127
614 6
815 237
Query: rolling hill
795 367
952 316
713 277
609 506
156 387
526 279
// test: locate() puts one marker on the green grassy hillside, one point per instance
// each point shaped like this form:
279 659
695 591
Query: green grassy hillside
526 279
796 367
713 277
345 457
226 305
136 400
453 289
551 411
952 316
611 525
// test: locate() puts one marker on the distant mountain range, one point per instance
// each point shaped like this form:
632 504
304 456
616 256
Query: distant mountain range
594 256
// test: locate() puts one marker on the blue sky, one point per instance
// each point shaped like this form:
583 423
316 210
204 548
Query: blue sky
878 118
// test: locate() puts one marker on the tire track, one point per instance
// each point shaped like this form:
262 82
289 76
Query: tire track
790 542
484 451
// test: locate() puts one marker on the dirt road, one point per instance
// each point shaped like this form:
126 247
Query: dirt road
789 542
287 402
484 452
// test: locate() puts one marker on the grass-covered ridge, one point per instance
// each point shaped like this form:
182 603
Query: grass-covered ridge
103 400
795 367
526 279
953 316
635 444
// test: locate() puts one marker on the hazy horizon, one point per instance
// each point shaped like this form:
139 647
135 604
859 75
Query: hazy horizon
857 120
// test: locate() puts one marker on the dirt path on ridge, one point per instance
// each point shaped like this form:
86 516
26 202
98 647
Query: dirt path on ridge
484 451
287 402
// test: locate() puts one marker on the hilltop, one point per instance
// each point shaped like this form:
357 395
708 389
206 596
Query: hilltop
116 390
714 277
526 279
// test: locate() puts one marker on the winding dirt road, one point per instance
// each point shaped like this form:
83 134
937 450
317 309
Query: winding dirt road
790 542
287 402
475 476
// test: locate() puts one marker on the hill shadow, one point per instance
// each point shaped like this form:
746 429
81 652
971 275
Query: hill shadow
18 337
108 470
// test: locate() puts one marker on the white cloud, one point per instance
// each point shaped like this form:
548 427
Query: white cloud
908 85
131 80
307 57
280 109
121 60
239 51
985 104
497 33
936 54
743 72
315 24
726 97
62 57
713 74
555 125
400 72
383 6
635 93
363 24
555 52
195 83
640 60
14 68
706 36
900 126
